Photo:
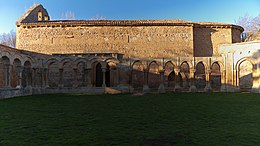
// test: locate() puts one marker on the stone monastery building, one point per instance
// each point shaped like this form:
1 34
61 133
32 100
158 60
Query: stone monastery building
115 56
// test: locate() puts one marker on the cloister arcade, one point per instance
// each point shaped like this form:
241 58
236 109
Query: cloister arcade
39 74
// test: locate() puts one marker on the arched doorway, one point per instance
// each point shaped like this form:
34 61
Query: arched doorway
185 74
200 76
215 76
171 80
169 75
99 75
153 76
245 75
138 75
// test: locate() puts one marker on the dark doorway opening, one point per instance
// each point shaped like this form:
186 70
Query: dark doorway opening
99 75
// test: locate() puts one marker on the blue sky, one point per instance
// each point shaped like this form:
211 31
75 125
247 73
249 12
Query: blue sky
194 10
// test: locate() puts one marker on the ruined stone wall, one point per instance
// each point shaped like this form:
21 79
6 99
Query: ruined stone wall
133 41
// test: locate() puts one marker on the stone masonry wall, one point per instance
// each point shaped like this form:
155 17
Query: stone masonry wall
133 41
207 40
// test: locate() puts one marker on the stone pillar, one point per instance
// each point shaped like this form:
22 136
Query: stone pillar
34 70
104 77
177 87
146 88
29 77
115 76
161 88
255 75
76 83
236 87
116 83
61 78
84 82
118 74
208 86
42 74
192 81
88 77
46 77
223 81
7 75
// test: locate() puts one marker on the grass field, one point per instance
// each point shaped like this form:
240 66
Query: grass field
211 119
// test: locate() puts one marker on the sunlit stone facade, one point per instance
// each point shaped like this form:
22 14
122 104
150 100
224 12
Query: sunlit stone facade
116 56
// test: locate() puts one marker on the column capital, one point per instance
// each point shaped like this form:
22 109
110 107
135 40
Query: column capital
207 71
177 70
192 70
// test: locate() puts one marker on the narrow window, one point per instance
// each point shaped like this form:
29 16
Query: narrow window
39 16
46 18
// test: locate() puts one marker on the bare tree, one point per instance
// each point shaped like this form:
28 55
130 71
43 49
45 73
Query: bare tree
251 26
69 15
8 39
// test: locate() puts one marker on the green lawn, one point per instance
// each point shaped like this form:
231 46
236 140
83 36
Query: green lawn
213 119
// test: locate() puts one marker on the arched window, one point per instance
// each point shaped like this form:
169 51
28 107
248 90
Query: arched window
46 18
39 15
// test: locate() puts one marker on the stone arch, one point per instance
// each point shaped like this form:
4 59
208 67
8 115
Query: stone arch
203 62
200 76
6 54
65 60
215 76
153 75
114 60
80 60
49 61
16 70
169 67
15 57
27 74
245 74
95 60
169 74
137 75
185 74
171 80
4 71
30 59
